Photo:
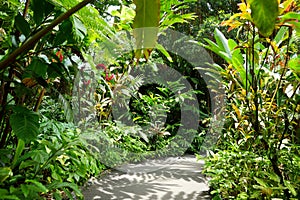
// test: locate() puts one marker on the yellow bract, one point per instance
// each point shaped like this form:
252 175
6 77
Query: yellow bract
235 21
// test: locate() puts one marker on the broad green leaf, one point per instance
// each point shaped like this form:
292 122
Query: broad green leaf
38 67
57 185
222 42
264 14
40 10
61 36
273 176
261 182
232 45
14 197
291 16
294 65
3 192
25 124
290 187
19 150
164 52
22 25
90 17
147 13
56 69
212 46
145 26
40 156
5 172
281 35
237 60
216 49
127 14
37 7
27 163
25 190
79 28
40 186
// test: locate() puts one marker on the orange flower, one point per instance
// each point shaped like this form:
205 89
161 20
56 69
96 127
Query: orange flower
60 55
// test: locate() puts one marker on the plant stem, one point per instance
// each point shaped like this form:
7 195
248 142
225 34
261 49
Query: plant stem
36 37
38 103
26 8
283 72
254 84
5 133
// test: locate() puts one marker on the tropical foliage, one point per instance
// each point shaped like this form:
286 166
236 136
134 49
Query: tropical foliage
68 70
49 50
258 154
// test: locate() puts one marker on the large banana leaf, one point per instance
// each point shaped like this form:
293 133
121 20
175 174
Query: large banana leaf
145 26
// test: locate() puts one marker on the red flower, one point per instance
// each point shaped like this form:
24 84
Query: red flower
60 55
87 82
109 78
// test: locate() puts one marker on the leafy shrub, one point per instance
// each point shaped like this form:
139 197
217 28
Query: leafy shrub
116 143
240 174
54 165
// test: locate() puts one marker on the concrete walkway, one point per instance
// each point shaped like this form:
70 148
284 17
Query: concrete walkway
160 179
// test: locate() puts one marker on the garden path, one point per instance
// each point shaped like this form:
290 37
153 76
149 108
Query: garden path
175 178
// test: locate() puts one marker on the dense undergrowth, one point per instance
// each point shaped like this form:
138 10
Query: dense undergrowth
257 156
56 123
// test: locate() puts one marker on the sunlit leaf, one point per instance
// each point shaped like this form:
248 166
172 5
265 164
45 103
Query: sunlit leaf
290 187
40 186
294 65
145 26
5 172
164 52
261 182
80 30
222 42
264 14
281 35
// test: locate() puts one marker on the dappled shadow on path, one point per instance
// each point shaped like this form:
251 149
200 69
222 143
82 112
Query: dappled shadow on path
165 179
